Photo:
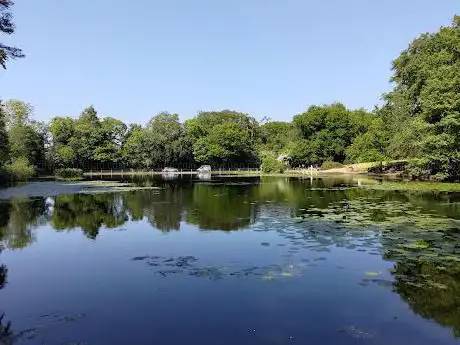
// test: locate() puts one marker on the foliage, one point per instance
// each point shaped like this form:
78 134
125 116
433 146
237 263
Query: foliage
137 146
4 142
17 113
275 136
406 141
302 152
26 137
69 173
7 27
61 130
161 143
331 165
368 146
203 124
86 136
20 169
64 155
427 78
326 132
111 135
223 137
227 143
271 165
168 135
27 141
86 140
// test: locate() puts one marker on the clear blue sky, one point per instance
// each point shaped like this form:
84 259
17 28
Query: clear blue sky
133 59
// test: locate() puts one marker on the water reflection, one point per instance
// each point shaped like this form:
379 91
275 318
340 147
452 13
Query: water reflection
230 204
6 333
431 290
417 232
204 176
18 218
167 176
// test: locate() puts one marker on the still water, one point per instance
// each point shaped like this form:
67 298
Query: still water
231 261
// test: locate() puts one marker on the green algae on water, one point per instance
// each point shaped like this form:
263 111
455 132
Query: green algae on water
419 244
416 186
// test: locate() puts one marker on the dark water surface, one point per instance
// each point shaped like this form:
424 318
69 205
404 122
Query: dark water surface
231 261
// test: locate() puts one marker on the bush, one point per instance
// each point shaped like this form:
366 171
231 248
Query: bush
69 173
20 169
331 165
434 168
397 167
271 165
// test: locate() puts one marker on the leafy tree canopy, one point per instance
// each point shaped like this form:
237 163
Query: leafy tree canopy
7 27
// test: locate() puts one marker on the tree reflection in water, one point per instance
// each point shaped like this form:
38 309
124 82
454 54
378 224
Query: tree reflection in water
431 290
311 215
6 333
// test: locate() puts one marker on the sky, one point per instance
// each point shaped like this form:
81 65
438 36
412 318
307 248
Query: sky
274 58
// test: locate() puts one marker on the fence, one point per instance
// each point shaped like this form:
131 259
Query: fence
118 167
127 172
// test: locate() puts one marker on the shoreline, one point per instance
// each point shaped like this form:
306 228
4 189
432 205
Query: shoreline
287 173
221 173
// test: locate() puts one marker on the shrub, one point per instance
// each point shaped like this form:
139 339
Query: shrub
69 173
331 165
434 168
20 169
271 165
400 167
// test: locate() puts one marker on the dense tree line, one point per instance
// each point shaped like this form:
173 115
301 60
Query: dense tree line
419 121
217 138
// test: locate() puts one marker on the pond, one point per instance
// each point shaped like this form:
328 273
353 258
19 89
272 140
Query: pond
229 260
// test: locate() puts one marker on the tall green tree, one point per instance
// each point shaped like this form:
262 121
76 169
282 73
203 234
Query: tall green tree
27 138
227 143
4 146
275 135
171 147
223 137
62 130
112 133
7 27
326 132
87 137
203 123
135 153
427 78
369 146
